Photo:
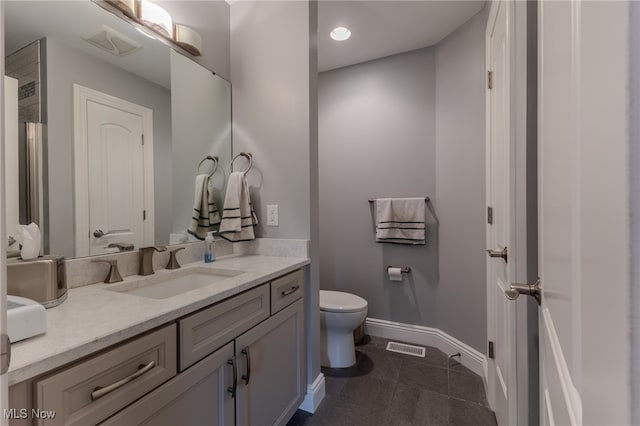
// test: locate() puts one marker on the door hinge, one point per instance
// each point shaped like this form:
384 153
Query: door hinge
490 79
491 350
144 215
490 215
5 353
142 138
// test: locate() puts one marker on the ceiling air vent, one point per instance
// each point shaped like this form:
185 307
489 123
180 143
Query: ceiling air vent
112 41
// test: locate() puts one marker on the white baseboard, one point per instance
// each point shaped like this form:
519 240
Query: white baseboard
314 396
417 334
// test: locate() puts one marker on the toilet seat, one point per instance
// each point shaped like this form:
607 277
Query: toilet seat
338 301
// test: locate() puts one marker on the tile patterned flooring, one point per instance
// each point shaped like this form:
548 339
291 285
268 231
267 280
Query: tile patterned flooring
387 388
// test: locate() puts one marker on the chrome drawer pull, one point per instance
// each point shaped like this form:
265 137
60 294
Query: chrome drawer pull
100 391
290 291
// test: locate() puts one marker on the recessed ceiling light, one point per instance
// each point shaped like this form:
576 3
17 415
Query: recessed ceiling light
340 34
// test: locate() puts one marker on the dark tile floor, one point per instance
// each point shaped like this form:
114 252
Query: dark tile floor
388 388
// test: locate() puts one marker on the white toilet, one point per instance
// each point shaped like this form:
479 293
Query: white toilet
340 314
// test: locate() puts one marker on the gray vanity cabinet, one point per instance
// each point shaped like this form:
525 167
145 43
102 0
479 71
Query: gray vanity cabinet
257 334
272 370
197 396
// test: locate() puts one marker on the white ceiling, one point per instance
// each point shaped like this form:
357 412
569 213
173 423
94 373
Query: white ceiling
70 21
383 28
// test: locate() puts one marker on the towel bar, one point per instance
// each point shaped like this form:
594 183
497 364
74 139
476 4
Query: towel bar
426 200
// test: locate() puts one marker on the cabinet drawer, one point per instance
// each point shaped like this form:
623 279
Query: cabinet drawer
286 290
196 397
71 393
209 329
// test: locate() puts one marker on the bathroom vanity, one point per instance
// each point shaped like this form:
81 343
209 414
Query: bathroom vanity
229 353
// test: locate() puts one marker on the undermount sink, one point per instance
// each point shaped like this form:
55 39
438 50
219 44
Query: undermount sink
165 285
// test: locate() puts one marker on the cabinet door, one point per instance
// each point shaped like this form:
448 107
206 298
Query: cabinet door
277 376
197 396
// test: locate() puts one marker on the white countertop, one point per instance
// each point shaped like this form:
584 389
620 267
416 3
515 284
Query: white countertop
92 318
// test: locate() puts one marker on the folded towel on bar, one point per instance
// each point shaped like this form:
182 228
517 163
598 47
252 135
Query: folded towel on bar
205 215
400 220
238 216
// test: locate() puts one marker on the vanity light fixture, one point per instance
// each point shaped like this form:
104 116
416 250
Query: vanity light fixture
188 39
340 34
156 17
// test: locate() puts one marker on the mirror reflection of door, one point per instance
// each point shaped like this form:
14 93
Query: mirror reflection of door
11 159
115 185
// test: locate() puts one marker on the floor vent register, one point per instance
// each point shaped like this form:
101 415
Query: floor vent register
403 348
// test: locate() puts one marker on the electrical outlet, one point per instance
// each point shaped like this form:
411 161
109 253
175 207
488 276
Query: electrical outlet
272 215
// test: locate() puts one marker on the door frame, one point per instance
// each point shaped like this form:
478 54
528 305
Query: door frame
522 27
510 309
81 97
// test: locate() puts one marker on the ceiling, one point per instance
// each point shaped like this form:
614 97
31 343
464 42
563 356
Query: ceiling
383 28
70 21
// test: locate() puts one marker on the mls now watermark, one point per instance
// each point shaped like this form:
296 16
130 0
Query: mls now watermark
23 413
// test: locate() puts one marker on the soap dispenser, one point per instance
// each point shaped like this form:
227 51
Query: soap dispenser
209 254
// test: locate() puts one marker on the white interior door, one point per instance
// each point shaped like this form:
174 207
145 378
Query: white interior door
501 313
116 171
118 201
583 191
11 175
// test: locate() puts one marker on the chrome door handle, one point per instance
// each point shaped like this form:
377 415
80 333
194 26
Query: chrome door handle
98 233
495 253
533 290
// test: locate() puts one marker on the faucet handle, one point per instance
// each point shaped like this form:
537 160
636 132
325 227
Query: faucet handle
114 275
173 260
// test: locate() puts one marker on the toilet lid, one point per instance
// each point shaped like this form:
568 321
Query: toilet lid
338 301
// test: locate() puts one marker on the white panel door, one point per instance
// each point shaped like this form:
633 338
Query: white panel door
12 182
114 192
116 176
501 313
583 191
559 334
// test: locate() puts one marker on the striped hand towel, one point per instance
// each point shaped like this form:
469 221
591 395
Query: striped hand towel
238 217
205 212
400 220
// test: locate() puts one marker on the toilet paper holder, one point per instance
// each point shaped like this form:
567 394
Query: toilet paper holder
404 270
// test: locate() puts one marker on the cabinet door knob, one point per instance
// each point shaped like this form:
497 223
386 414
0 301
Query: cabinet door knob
247 354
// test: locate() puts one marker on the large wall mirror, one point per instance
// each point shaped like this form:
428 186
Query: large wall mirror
91 83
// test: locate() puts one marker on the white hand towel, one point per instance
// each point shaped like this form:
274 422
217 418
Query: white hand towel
205 215
238 217
400 220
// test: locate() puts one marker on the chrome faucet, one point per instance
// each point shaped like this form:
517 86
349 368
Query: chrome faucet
146 259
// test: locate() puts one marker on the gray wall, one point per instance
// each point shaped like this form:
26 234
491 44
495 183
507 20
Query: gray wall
460 182
201 126
211 19
377 139
409 125
65 67
274 72
634 165
271 108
